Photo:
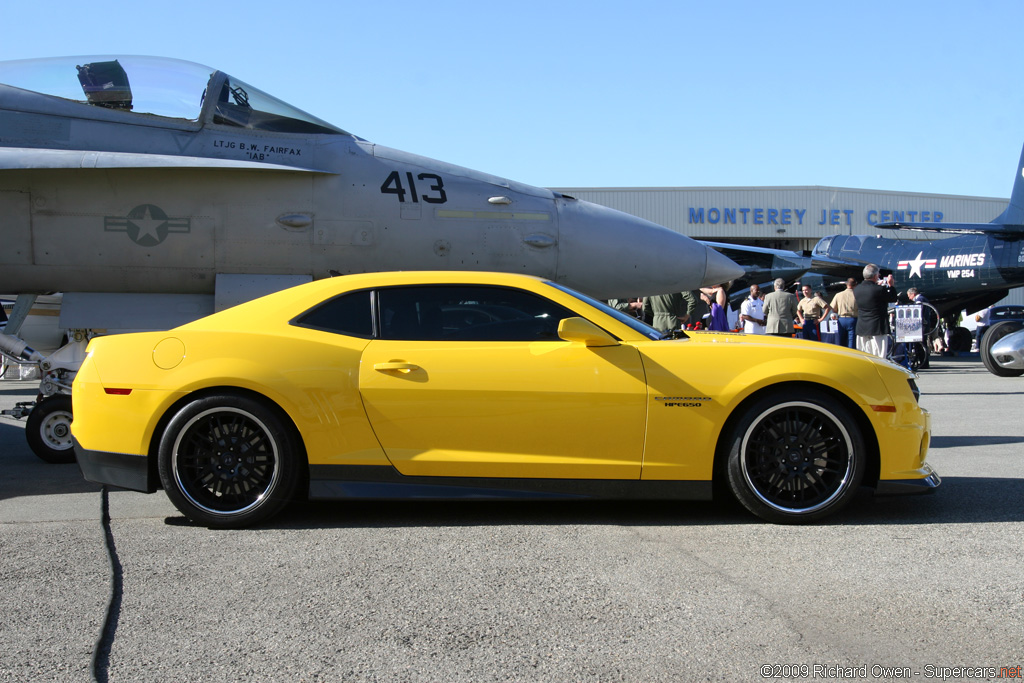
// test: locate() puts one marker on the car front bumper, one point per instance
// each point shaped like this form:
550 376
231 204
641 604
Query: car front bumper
902 487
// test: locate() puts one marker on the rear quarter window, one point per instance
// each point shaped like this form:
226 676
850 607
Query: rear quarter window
348 314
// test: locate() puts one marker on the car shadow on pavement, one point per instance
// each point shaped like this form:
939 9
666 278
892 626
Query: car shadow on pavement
23 474
421 513
960 500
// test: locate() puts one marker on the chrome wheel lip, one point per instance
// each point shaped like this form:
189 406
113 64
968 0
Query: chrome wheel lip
185 489
838 488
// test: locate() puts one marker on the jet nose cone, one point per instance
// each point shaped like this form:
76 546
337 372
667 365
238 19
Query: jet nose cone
610 254
720 269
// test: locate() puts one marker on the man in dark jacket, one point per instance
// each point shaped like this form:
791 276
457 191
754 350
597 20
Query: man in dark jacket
873 297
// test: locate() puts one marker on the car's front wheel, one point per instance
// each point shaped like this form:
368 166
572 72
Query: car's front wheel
229 461
795 457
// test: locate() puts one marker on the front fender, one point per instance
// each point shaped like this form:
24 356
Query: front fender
695 386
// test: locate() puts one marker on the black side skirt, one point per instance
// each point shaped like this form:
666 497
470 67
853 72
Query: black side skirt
386 483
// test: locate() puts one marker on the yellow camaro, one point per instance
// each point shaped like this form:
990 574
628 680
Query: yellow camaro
480 385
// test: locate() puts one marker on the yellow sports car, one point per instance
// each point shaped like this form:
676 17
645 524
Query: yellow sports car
482 385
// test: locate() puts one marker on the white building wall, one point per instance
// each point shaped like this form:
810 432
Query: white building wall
793 213
791 217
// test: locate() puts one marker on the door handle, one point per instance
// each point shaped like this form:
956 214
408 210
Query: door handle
395 366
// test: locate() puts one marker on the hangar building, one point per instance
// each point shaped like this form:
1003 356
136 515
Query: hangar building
792 218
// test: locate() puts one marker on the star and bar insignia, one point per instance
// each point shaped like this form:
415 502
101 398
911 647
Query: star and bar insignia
147 225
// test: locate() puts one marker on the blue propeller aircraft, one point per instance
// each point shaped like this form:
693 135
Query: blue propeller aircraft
971 270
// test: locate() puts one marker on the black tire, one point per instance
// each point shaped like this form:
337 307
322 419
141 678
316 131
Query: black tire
795 458
48 430
991 336
918 352
960 340
229 461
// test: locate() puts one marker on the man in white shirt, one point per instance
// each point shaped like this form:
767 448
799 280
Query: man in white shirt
752 312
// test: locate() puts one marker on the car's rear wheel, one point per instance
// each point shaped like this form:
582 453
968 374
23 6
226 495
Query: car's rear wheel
795 457
229 461
991 336
48 430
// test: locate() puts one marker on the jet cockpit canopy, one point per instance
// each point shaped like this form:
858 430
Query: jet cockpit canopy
163 87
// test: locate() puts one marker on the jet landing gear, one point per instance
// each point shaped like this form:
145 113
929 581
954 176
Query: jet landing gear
48 427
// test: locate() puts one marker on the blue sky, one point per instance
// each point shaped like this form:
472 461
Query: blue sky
902 96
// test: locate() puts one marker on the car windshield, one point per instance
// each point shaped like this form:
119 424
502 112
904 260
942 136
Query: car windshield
158 86
638 325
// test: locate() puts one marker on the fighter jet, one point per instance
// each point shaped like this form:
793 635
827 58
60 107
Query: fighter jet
972 270
761 266
154 191
156 176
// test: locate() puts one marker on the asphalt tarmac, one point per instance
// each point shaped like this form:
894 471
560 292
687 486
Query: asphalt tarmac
915 588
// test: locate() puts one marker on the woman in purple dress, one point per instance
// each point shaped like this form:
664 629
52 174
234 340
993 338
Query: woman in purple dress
718 321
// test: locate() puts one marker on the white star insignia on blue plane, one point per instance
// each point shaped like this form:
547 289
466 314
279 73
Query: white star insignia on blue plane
915 264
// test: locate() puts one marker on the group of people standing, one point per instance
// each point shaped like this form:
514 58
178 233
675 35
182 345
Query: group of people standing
861 310
703 308
779 312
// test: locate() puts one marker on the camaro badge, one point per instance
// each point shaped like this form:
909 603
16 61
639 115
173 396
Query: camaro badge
147 225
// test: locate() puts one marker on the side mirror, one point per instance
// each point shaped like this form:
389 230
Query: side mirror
584 331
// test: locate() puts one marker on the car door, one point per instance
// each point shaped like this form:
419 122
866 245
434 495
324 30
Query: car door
473 381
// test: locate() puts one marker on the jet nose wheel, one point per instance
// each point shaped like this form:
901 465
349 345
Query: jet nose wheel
48 430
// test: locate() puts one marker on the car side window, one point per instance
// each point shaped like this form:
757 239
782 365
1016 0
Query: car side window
349 314
467 313
1008 313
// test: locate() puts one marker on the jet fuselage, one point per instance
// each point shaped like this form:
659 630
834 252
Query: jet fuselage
966 271
104 196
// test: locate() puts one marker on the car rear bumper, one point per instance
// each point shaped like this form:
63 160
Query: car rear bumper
115 469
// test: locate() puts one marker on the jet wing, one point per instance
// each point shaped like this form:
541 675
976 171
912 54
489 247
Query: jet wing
763 264
1005 229
834 265
741 249
20 158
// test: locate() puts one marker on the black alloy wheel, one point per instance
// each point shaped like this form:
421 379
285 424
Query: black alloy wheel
229 461
795 458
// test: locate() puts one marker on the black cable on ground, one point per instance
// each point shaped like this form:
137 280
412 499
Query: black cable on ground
104 641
